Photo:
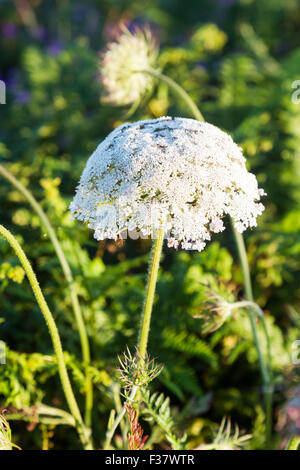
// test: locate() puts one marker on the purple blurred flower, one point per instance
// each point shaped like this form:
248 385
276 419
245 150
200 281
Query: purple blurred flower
12 78
14 86
39 33
55 48
9 30
22 97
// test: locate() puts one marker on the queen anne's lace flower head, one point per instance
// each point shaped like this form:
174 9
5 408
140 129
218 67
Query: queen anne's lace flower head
179 174
132 52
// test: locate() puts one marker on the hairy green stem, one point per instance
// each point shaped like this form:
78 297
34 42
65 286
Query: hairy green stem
150 291
69 277
268 389
118 408
145 323
265 369
177 89
63 373
256 308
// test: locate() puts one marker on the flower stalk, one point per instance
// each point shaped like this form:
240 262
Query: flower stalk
62 369
85 348
268 388
150 291
144 328
177 89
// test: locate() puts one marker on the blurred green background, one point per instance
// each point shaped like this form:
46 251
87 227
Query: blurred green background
238 60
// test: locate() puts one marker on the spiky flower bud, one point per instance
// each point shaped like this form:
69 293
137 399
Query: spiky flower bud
120 63
179 174
134 372
215 311
225 439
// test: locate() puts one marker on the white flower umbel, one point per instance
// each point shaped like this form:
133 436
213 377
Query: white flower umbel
119 63
181 174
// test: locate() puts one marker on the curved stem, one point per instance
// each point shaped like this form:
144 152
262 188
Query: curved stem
63 373
68 275
255 307
268 388
178 90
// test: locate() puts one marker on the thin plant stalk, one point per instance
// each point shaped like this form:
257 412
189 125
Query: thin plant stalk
145 324
112 429
268 389
149 299
256 308
85 347
62 369
118 409
179 91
